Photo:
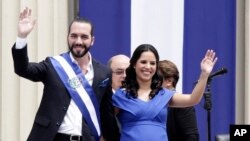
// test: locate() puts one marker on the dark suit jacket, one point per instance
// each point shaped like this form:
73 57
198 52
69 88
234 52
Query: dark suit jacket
110 128
182 124
56 99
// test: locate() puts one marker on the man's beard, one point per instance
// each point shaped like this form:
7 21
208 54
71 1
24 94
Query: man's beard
79 54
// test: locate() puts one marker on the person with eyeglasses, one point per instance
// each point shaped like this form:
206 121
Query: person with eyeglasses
181 122
110 125
118 65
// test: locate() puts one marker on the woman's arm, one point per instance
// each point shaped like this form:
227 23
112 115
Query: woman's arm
184 100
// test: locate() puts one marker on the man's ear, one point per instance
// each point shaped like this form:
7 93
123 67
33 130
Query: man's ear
93 40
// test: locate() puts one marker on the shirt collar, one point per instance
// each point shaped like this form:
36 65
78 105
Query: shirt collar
90 65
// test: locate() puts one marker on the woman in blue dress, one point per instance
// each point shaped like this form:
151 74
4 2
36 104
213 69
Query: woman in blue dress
141 103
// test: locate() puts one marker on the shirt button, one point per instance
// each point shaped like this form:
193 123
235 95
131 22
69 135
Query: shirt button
65 108
58 123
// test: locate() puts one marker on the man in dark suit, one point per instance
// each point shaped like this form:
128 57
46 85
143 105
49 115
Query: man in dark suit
181 122
74 84
110 125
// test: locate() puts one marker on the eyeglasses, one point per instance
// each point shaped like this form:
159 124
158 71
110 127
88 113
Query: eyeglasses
119 72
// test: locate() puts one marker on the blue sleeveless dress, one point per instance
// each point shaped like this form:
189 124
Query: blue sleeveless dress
140 120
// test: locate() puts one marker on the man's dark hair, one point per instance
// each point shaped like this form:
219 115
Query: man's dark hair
82 20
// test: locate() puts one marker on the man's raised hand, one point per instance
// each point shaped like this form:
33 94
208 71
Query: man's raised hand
26 23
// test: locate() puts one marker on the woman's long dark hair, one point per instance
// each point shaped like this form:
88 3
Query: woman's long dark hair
130 83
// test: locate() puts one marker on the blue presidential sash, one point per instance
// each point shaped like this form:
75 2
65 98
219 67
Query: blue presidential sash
76 84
